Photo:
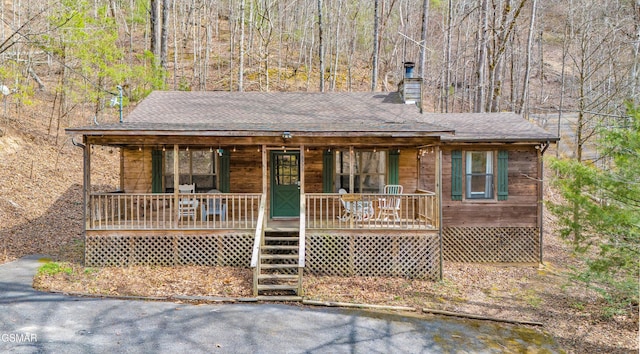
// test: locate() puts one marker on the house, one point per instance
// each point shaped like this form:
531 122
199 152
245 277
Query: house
297 183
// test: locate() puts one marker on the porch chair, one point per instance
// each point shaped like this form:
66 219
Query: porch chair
187 203
213 205
390 204
357 209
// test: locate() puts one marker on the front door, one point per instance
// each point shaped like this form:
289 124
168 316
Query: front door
285 184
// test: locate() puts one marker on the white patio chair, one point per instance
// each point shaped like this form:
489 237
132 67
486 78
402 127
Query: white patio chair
357 209
187 203
390 204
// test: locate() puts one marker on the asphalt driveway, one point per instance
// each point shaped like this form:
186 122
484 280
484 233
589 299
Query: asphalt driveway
36 322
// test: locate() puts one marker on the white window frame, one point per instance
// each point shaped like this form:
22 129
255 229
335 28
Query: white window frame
489 174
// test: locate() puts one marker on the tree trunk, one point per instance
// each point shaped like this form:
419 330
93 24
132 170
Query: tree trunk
155 29
374 71
482 58
241 54
522 105
423 37
447 60
321 45
164 34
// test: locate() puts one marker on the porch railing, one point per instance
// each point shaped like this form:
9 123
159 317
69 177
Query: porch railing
108 211
146 211
362 211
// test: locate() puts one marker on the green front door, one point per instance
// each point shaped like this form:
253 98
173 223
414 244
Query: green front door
285 187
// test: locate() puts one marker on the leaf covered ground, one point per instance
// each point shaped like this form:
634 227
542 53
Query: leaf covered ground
570 313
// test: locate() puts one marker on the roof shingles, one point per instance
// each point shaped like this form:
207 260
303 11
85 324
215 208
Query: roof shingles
312 113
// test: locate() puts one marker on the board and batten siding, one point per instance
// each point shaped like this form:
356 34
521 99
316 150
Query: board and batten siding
521 207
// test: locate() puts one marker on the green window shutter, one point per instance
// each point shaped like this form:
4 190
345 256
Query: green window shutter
327 172
394 167
156 171
503 175
456 175
225 172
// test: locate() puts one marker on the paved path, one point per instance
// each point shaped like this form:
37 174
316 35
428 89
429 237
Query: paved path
36 322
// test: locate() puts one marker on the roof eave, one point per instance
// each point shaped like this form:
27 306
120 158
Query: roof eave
532 140
266 133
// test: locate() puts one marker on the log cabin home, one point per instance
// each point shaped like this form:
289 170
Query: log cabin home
346 184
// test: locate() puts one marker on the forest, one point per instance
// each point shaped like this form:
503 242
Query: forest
526 56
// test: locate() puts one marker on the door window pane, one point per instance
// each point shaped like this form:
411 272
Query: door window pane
286 169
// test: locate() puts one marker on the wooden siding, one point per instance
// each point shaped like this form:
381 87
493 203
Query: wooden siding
409 170
246 170
427 172
136 170
521 207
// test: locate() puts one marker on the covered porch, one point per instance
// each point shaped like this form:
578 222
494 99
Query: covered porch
370 232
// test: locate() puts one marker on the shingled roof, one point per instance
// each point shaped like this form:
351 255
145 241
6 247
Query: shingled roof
311 114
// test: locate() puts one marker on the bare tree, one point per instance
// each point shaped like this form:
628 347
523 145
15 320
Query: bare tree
164 33
522 104
241 49
423 37
482 57
321 45
154 19
376 44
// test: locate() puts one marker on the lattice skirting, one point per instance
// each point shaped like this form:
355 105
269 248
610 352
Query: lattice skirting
168 250
491 244
366 254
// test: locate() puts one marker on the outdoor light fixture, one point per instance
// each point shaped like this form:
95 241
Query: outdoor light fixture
287 135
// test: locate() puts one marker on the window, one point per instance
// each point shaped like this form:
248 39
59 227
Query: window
479 174
483 173
369 170
195 166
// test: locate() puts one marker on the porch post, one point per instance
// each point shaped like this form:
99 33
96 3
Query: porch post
86 195
121 169
301 170
176 183
303 223
438 208
265 181
351 165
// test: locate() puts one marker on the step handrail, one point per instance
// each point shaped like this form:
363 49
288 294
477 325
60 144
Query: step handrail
257 242
301 242
303 227
260 226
